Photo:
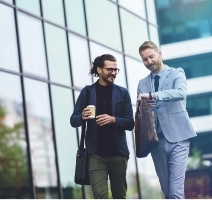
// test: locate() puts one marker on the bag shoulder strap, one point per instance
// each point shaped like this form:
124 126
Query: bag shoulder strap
88 87
82 139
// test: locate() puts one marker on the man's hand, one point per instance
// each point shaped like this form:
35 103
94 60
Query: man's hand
104 119
145 96
86 113
150 103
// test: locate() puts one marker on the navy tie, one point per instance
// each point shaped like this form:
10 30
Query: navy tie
156 82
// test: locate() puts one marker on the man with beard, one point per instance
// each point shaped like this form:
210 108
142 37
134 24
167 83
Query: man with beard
168 88
105 136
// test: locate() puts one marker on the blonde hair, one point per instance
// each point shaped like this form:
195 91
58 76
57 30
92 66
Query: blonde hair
148 45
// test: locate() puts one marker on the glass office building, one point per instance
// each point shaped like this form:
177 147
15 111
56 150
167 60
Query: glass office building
186 41
46 50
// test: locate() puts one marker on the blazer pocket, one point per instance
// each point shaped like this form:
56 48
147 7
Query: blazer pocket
119 109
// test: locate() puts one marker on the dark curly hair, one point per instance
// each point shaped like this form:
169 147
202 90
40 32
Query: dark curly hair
99 62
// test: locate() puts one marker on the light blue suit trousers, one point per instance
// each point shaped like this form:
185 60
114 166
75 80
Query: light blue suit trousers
170 160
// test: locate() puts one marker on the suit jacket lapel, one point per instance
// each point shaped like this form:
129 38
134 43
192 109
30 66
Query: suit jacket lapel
164 77
149 82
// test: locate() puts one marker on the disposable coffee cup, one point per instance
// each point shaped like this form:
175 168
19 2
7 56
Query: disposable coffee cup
93 111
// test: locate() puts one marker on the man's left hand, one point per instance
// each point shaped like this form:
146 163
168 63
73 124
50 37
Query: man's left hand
145 96
104 119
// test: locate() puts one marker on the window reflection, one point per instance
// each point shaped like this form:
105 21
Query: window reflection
199 105
153 31
74 10
8 43
151 12
32 45
137 7
135 72
80 61
104 28
57 52
53 11
149 183
192 65
137 33
41 139
132 191
14 175
97 50
66 138
184 20
30 6
9 1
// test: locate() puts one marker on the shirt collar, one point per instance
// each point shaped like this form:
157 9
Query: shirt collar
159 74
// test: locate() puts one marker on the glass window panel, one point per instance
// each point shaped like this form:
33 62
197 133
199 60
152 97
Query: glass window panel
135 35
97 50
151 11
193 65
193 29
30 6
66 138
153 31
132 191
8 43
41 139
103 28
53 11
9 1
162 4
75 16
190 18
80 61
199 105
57 52
137 7
204 27
149 183
14 174
32 45
135 72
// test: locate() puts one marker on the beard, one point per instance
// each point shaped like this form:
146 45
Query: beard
106 78
155 66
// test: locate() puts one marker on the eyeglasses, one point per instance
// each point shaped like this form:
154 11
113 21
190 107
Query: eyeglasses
110 70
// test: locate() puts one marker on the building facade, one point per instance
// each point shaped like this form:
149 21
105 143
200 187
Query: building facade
186 41
46 50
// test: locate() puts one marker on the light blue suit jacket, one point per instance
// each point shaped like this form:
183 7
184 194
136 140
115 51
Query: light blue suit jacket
170 105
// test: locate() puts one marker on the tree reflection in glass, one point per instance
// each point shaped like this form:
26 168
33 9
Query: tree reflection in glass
14 175
41 139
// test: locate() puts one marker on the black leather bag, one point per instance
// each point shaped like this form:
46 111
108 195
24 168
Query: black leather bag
81 170
146 137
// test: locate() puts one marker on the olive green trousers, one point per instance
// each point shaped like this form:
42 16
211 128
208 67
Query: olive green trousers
99 170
